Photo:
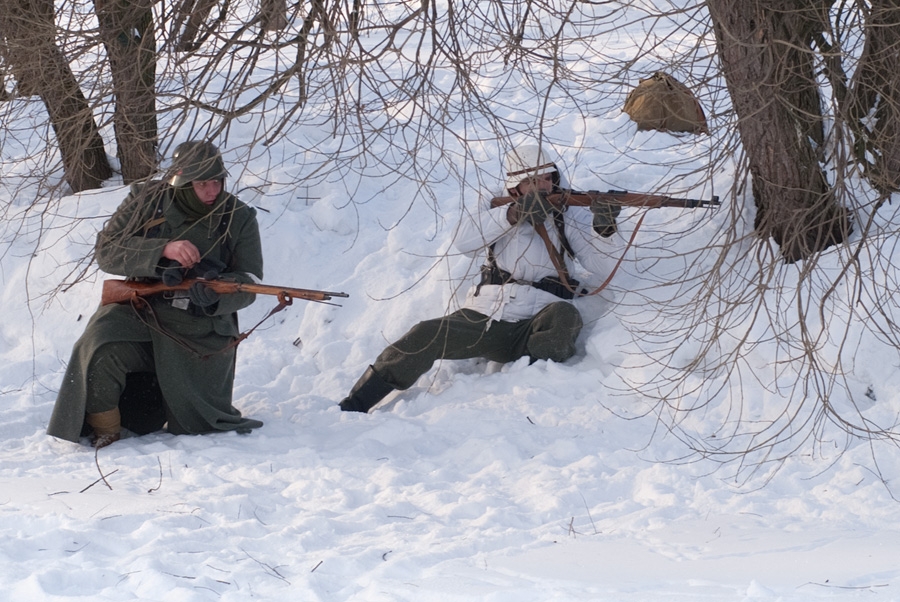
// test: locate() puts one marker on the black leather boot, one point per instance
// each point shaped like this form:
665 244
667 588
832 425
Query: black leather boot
366 393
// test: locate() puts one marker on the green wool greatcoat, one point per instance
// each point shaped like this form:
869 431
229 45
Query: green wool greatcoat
195 376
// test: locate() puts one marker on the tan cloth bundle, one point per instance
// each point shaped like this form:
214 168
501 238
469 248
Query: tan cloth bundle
661 102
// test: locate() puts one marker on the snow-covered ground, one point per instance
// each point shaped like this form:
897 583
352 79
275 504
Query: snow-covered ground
482 482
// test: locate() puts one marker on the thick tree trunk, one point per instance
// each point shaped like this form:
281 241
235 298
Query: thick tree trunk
876 86
126 27
40 68
764 49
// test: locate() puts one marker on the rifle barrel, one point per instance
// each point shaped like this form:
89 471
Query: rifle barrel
576 198
226 287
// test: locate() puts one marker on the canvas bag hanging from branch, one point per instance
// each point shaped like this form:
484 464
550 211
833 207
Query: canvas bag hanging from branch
663 103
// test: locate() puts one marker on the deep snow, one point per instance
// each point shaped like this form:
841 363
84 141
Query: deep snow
484 482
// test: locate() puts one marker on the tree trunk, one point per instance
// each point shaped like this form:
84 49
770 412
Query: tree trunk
876 86
273 14
768 66
4 62
189 19
126 27
40 68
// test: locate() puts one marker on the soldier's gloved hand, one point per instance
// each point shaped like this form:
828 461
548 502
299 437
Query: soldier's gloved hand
202 296
534 207
605 217
209 268
172 275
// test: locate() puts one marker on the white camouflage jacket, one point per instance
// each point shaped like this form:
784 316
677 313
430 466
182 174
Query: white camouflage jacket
521 252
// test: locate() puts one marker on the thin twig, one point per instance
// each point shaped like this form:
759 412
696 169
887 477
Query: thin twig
160 477
97 462
102 478
588 510
851 587
269 567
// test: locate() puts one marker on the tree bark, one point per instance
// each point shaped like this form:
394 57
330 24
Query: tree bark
40 68
768 67
126 27
876 86
273 15
190 18
4 65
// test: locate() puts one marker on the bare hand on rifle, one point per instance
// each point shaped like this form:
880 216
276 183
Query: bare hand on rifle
182 251
205 268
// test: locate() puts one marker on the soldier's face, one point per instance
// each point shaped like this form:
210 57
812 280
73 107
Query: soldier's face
542 183
207 190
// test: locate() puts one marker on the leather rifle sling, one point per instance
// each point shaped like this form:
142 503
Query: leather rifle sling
560 264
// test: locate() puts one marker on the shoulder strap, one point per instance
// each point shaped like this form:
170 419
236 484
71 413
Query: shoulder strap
488 270
560 222
153 223
556 257
150 228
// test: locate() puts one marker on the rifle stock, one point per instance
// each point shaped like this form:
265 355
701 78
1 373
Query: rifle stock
123 291
576 198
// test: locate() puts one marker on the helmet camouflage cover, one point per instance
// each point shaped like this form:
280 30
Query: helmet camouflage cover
527 161
196 161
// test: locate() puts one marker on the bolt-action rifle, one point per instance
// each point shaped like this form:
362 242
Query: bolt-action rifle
124 291
576 198
613 197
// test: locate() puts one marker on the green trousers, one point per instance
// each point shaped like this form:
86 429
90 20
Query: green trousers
464 334
108 370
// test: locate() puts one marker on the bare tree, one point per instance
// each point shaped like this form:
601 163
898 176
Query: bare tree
764 48
816 149
126 28
39 67
874 88
189 20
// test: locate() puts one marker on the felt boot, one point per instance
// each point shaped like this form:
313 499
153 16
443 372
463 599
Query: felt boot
107 427
366 393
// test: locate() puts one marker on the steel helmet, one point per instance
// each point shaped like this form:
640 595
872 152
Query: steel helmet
196 160
526 162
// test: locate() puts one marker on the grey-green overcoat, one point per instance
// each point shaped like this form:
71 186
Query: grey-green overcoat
197 389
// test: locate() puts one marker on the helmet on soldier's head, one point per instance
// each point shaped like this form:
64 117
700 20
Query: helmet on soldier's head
525 162
196 160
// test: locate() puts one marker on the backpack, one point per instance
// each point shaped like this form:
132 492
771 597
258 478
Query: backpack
663 103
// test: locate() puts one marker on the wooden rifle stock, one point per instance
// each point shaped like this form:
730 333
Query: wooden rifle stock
576 198
123 291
